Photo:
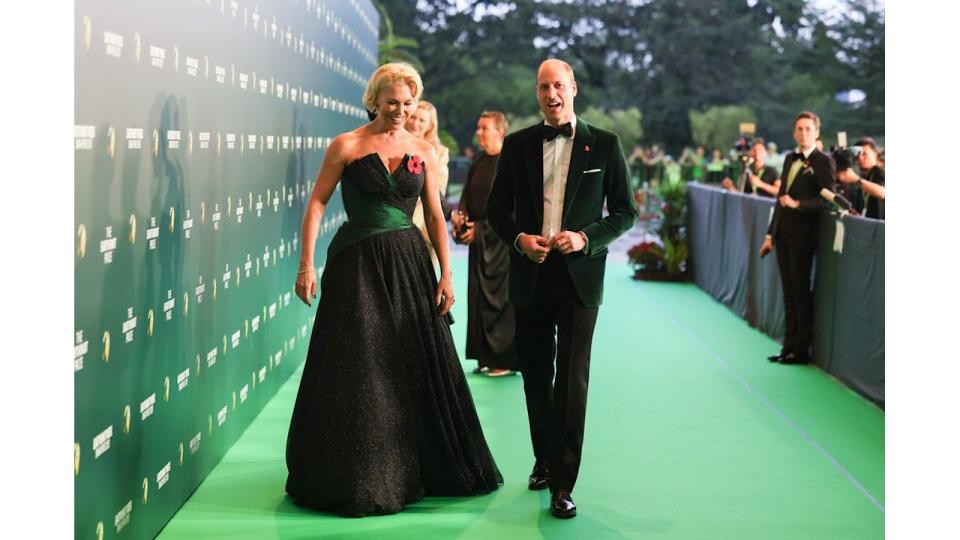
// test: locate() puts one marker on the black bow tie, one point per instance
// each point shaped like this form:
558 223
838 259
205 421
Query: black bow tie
550 133
799 155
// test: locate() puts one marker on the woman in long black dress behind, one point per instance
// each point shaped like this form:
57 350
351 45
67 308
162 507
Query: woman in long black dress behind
490 315
383 416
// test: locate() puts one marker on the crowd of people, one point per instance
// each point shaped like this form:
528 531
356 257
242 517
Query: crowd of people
759 170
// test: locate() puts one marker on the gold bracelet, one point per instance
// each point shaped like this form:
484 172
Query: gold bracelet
305 271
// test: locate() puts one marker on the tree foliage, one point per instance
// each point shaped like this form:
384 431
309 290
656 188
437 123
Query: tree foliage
719 127
664 58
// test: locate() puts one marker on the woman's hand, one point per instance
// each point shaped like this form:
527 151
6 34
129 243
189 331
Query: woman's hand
444 298
306 284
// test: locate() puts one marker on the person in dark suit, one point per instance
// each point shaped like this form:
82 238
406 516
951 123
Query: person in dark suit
794 229
547 202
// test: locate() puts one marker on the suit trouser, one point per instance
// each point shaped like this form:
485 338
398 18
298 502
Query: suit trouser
556 324
796 262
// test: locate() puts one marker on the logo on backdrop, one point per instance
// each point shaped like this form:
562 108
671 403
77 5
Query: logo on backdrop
111 142
133 228
126 419
136 46
76 459
82 241
87 32
146 488
106 346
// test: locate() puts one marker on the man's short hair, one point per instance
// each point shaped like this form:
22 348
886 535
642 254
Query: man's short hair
869 143
499 119
811 115
760 141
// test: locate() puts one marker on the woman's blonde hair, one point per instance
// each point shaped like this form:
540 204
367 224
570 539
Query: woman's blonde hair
432 135
390 74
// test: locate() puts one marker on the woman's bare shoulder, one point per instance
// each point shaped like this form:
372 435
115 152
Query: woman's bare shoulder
424 148
345 145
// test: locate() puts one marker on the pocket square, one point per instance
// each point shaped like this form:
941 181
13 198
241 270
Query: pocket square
592 171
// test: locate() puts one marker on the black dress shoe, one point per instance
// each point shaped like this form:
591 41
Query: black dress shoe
540 476
561 504
795 359
776 357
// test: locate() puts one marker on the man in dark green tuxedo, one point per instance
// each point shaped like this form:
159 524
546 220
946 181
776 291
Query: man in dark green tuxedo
554 180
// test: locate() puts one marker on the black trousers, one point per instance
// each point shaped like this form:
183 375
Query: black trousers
796 262
556 325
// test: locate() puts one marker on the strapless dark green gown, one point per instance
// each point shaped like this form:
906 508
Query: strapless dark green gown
383 416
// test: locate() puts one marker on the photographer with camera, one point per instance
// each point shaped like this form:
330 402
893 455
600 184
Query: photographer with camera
756 176
866 190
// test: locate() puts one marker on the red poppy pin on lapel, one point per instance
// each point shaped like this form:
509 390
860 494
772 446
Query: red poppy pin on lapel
415 165
586 148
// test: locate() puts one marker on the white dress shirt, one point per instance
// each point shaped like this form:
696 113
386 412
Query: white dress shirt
556 165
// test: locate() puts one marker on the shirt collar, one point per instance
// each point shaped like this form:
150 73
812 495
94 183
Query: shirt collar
573 126
807 151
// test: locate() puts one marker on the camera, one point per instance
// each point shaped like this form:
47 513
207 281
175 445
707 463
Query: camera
743 145
841 154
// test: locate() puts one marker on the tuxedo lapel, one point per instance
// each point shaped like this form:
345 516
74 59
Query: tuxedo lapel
534 159
582 144
787 164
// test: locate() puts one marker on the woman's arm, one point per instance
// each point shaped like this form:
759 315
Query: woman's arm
327 178
437 229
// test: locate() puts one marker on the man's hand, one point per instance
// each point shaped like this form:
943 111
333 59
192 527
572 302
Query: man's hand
754 180
847 176
727 184
467 234
534 246
766 247
568 242
789 202
457 219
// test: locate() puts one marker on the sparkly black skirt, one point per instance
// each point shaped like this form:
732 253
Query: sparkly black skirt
383 416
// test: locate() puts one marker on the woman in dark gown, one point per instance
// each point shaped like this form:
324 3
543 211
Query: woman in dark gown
383 416
490 315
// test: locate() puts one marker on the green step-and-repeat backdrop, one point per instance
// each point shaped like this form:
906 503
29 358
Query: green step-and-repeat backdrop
200 126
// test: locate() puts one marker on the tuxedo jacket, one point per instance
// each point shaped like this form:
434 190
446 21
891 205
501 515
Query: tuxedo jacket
597 175
800 226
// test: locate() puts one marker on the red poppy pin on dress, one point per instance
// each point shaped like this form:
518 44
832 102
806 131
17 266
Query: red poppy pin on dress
415 164
586 148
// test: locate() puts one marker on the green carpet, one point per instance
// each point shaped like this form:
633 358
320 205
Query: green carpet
690 434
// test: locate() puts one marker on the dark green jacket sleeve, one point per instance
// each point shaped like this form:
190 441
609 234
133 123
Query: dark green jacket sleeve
621 213
500 203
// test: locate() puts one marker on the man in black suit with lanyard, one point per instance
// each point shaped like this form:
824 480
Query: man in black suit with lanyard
794 230
547 202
